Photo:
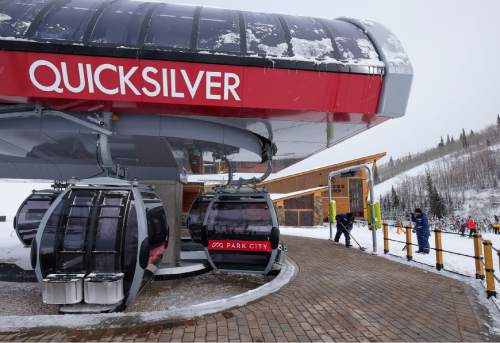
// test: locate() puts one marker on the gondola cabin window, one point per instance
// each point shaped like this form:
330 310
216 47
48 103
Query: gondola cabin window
240 218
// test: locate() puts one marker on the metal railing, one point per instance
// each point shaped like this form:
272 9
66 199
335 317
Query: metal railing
483 253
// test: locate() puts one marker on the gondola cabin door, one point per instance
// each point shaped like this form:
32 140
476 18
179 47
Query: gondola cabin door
241 233
104 234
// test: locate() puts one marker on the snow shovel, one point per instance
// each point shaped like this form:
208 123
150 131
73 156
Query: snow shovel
362 248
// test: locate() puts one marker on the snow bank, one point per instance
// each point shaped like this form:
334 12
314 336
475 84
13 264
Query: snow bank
12 194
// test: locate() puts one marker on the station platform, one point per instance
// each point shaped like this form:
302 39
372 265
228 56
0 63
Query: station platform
339 294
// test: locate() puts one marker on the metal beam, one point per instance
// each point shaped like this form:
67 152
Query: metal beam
372 197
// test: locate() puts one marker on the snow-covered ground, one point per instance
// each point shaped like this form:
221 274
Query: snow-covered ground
12 194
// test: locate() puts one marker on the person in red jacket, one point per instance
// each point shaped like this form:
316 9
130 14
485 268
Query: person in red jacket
471 225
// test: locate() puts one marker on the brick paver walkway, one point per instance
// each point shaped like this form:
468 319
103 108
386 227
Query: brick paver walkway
339 294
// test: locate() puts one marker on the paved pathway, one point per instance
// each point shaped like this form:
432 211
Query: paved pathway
339 294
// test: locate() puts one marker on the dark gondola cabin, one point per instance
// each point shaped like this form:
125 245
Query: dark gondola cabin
99 243
31 212
241 231
197 215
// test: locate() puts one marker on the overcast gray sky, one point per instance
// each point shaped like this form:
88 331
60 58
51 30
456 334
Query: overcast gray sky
454 46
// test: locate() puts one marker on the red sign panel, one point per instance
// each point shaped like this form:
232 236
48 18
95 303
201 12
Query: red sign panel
125 84
235 245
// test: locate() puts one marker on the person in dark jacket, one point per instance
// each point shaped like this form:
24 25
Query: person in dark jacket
423 231
344 226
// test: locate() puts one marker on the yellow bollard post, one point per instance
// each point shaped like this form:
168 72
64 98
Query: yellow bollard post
478 256
439 249
498 253
409 246
490 272
386 238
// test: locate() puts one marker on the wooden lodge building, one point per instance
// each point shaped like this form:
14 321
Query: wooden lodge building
301 199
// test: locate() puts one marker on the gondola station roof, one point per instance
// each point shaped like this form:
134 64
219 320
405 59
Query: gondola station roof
296 75
177 33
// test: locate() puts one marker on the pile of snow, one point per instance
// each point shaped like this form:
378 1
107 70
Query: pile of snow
277 196
13 194
311 49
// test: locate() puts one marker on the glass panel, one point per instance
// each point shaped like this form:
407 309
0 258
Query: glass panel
219 31
110 212
68 22
171 27
149 196
120 23
74 237
16 16
309 39
240 218
104 263
107 230
353 44
198 211
48 242
157 226
265 34
33 211
130 247
356 197
112 201
79 212
70 262
83 200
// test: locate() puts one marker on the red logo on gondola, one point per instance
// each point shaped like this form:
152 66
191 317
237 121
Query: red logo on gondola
233 245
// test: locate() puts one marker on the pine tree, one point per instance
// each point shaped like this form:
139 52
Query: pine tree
448 140
395 199
441 143
498 120
463 139
437 205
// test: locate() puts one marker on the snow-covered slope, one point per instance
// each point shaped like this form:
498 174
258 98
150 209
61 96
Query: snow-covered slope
474 201
385 187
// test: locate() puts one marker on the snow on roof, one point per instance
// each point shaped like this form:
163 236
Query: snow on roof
217 179
342 152
278 196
